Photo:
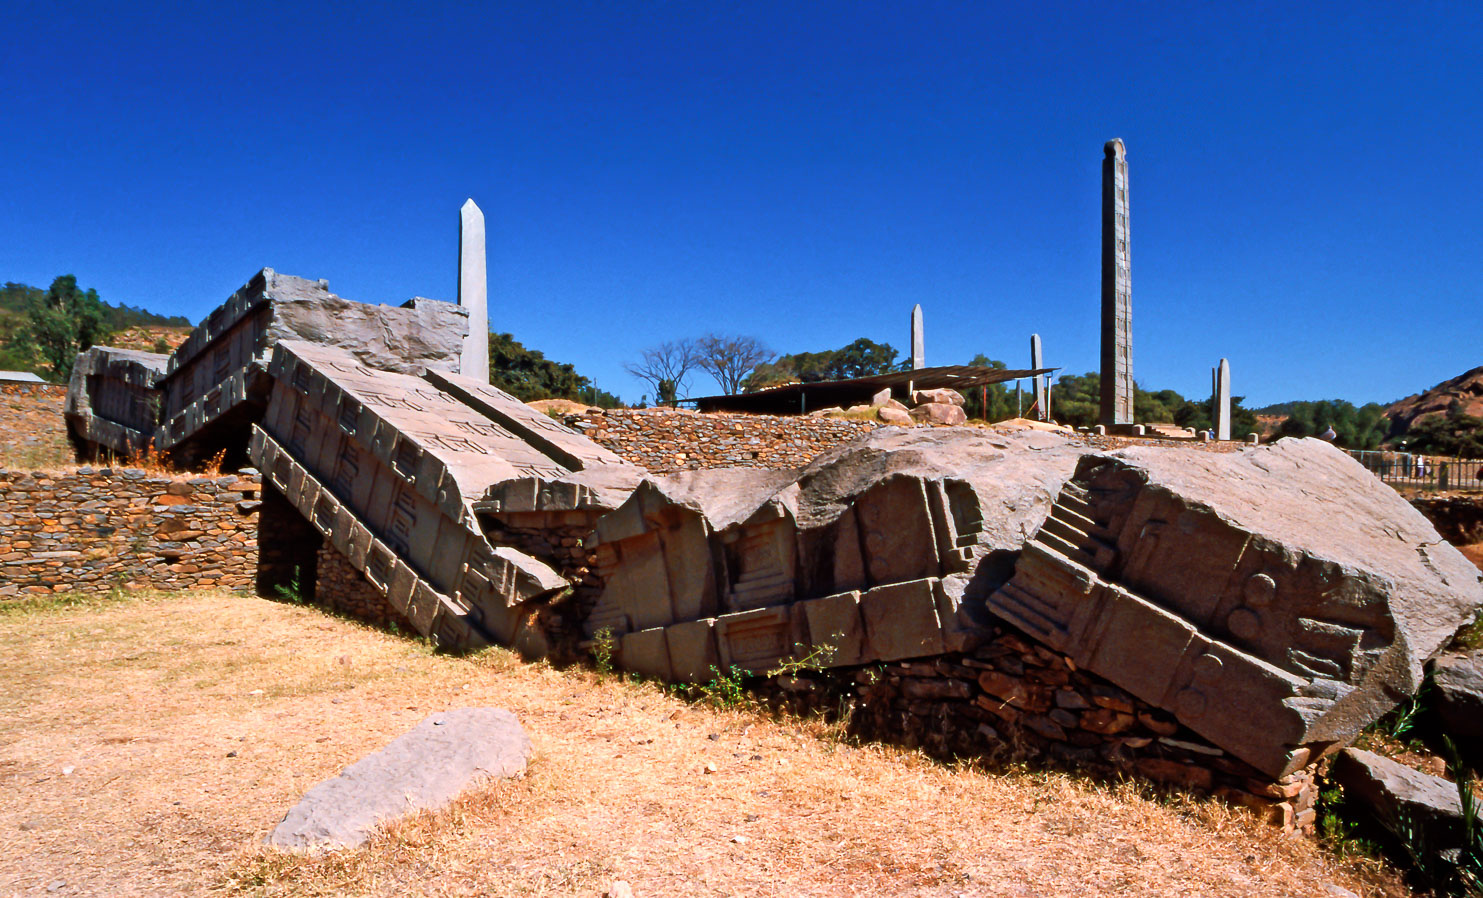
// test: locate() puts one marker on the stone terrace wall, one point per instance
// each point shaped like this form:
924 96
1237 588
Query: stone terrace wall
1013 700
343 589
92 528
32 431
667 440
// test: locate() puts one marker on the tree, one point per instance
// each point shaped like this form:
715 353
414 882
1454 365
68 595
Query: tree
60 324
991 403
1200 415
665 367
1455 433
730 359
1077 401
861 358
528 375
1356 427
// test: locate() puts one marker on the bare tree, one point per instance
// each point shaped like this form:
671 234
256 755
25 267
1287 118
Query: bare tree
664 367
730 359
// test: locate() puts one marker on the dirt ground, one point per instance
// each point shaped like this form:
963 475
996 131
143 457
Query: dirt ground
149 743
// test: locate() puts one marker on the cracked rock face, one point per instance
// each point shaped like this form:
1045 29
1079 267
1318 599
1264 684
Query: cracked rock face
882 549
1277 600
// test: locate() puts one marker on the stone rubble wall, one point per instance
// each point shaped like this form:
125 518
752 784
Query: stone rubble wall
667 440
1012 701
341 588
94 528
32 431
557 538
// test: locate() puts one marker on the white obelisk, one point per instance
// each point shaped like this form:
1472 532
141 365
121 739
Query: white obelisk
473 292
918 339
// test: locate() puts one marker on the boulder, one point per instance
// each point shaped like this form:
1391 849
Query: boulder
1402 798
425 768
941 414
894 416
941 395
1457 681
1276 600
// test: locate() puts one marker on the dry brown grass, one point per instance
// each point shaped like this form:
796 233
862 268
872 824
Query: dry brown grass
147 745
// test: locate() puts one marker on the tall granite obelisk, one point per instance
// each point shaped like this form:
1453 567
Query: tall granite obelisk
1037 361
1117 289
1222 401
473 292
918 341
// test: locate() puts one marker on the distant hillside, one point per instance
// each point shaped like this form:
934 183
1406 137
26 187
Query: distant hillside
123 325
1277 409
1463 393
154 338
13 299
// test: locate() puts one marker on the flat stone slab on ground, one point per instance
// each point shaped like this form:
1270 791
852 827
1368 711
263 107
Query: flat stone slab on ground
426 767
1402 797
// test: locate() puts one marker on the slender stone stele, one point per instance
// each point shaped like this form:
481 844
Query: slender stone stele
423 769
918 339
1117 290
1042 398
1221 400
473 292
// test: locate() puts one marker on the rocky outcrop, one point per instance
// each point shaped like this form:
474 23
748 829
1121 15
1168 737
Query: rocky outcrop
1464 391
941 414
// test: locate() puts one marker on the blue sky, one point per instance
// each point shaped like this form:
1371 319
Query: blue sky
1306 183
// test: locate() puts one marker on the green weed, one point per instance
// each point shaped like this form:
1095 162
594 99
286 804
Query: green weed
603 643
291 591
725 690
815 661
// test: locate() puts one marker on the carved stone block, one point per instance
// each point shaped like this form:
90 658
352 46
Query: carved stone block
646 652
835 622
901 620
693 655
755 640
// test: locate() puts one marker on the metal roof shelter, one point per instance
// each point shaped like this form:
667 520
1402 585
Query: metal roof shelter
797 399
20 377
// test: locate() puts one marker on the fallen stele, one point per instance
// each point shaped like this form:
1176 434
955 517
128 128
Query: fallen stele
424 768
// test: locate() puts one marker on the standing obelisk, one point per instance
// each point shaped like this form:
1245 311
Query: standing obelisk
473 292
1037 361
1117 289
918 341
1221 414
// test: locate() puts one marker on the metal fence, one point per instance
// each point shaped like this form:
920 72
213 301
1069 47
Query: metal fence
1425 472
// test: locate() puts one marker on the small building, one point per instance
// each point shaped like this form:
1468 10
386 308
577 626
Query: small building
20 377
801 398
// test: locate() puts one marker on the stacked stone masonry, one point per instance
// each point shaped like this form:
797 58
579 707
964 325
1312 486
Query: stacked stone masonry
341 588
94 528
1011 700
667 440
32 433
